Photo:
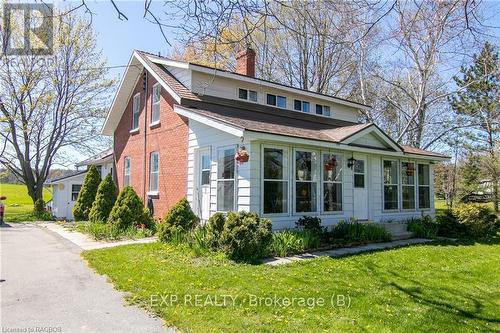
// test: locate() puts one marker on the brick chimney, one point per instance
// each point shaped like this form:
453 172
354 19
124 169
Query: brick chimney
245 62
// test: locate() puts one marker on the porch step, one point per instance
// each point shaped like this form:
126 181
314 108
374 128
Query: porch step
397 230
402 235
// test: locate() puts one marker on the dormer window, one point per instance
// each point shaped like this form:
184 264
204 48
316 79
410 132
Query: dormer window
249 95
279 101
299 105
323 110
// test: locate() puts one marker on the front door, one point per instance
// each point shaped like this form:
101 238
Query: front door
360 188
204 184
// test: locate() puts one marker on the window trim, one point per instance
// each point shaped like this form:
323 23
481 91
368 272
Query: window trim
323 181
294 181
152 122
302 102
323 110
235 180
398 209
403 185
150 191
126 158
136 129
284 148
417 195
248 95
72 192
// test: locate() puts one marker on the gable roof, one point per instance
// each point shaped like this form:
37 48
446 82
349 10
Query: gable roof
102 157
70 175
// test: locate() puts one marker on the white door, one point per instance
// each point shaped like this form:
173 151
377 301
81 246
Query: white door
360 188
204 183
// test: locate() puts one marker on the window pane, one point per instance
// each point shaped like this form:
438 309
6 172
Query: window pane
271 99
205 177
359 166
273 163
423 174
305 166
156 93
390 172
297 105
205 162
226 164
153 182
225 196
359 180
332 168
275 197
332 197
126 180
390 197
319 109
135 111
424 198
305 106
281 102
252 95
242 93
155 113
408 173
305 194
154 162
408 197
326 110
75 189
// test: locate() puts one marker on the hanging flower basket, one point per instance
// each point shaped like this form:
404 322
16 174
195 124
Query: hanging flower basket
331 163
409 170
328 166
241 155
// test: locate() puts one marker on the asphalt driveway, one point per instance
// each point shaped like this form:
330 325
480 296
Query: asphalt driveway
45 284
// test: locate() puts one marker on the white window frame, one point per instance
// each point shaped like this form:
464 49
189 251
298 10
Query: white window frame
235 187
323 108
73 192
136 110
391 184
294 180
417 181
323 181
126 171
302 105
157 172
406 185
287 179
155 104
248 95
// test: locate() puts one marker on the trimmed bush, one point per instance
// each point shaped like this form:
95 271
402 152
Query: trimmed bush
129 210
215 226
285 243
423 227
87 194
104 200
478 220
179 219
245 237
448 225
310 223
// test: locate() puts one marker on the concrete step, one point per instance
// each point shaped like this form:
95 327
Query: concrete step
403 235
394 227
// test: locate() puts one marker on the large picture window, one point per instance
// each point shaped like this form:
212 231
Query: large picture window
390 185
306 179
275 181
126 171
225 179
332 183
155 108
153 171
408 185
424 191
136 105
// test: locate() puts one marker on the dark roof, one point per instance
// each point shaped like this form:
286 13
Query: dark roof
72 174
100 157
418 151
144 54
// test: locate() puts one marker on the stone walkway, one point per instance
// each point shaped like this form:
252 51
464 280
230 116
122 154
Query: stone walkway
346 251
85 242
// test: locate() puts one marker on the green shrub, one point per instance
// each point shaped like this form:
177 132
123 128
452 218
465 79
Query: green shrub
285 243
423 227
198 241
478 219
310 239
104 200
87 194
215 226
245 237
129 211
310 223
448 225
179 219
345 232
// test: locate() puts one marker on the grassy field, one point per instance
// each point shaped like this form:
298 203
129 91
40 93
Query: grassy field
441 287
18 205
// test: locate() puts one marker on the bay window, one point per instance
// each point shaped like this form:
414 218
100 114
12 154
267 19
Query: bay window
332 183
391 186
225 179
306 179
275 181
424 191
408 185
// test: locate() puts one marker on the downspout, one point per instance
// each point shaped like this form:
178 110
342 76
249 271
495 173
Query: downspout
145 135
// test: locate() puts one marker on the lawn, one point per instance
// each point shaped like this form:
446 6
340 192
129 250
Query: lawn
19 205
435 287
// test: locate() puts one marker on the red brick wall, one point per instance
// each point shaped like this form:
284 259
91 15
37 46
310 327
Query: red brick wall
169 139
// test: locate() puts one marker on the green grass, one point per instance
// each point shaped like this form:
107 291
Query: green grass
18 205
428 288
104 231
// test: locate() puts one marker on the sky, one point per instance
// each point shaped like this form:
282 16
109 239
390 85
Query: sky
118 38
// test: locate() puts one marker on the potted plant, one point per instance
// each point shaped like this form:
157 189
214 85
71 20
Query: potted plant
409 169
242 155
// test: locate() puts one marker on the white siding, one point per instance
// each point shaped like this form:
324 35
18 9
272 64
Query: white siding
370 140
62 205
181 74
